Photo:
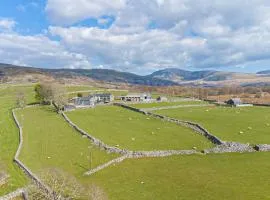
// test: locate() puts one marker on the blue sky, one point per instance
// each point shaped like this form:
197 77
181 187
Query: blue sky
136 35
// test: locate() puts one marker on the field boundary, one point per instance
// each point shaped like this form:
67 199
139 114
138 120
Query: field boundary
25 169
141 154
194 126
133 154
95 141
19 192
173 107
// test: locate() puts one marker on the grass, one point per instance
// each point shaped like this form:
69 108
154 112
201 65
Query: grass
49 142
74 88
246 124
222 176
164 104
9 136
116 93
130 130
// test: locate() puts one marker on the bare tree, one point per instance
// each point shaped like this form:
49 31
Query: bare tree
20 100
52 93
59 96
63 186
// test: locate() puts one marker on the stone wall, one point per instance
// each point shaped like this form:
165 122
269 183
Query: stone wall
194 126
262 147
26 170
18 193
173 107
95 141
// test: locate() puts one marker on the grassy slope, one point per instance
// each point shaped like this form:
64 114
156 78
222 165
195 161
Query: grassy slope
9 136
49 142
223 176
227 123
117 126
162 104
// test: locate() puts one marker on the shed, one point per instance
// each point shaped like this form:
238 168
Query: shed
162 99
234 102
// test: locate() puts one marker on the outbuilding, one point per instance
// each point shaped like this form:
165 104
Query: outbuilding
234 102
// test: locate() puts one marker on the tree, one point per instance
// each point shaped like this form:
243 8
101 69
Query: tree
44 92
51 93
79 94
59 96
20 100
63 186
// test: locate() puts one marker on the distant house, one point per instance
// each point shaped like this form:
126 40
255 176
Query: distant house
162 99
145 97
104 98
234 102
89 101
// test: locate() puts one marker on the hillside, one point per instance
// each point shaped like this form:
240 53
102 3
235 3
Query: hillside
166 77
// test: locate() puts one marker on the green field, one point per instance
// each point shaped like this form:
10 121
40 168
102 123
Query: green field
49 142
130 130
74 88
164 104
246 124
223 176
9 136
116 93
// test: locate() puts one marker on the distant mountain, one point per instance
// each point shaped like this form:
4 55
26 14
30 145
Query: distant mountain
109 75
178 75
165 77
105 75
264 72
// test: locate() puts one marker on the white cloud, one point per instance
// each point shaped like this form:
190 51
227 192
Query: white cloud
7 24
38 51
200 33
146 35
70 11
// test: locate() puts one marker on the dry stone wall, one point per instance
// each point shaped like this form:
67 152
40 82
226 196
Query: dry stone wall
196 127
26 170
95 141
18 193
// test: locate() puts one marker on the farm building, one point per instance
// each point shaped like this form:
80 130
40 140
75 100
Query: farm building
89 101
85 101
137 97
234 102
104 98
237 103
162 99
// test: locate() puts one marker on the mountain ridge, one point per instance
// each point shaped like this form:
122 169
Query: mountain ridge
164 77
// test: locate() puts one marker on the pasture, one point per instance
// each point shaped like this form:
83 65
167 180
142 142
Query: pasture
165 104
241 124
9 137
49 142
224 176
126 129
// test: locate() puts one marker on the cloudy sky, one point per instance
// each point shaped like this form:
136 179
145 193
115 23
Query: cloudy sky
138 36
